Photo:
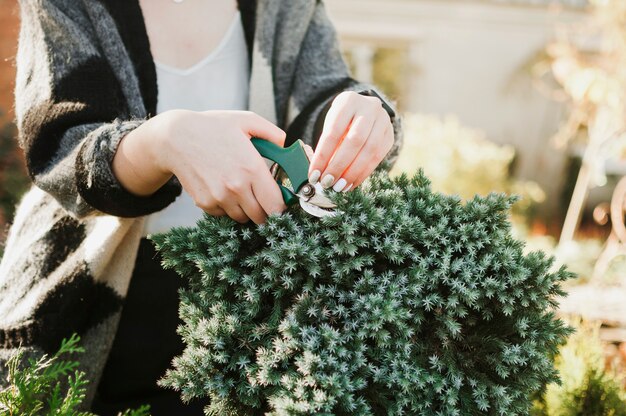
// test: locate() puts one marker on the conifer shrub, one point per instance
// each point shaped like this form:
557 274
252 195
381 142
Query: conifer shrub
50 385
406 302
588 387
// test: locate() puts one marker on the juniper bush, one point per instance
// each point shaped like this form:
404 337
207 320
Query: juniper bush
407 302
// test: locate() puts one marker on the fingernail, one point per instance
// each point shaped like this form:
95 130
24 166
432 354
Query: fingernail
315 176
328 180
348 188
341 183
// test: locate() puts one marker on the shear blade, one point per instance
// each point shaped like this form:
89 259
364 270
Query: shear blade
318 198
317 211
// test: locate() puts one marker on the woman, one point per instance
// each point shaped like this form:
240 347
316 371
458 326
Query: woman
111 104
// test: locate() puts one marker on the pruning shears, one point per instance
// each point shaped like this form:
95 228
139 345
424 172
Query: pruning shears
290 168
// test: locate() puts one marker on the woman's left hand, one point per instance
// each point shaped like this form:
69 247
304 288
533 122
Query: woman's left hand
356 137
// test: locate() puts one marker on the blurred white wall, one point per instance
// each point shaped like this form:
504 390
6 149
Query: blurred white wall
469 58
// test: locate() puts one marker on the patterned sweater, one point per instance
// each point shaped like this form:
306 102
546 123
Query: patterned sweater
85 78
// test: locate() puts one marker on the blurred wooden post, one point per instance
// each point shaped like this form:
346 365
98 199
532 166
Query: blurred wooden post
600 131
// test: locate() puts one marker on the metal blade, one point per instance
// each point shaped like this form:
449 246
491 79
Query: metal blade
313 200
315 210
316 195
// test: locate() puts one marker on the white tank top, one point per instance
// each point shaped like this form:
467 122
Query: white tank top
220 81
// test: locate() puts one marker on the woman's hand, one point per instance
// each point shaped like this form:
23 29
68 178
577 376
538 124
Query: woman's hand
356 137
211 155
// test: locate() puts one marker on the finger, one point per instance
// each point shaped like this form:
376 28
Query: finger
215 212
336 125
361 130
257 126
377 158
267 193
369 157
201 195
235 212
252 208
309 151
209 205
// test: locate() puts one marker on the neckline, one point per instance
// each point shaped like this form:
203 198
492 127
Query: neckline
209 57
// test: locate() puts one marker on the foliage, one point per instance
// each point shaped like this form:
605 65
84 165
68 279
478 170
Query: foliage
579 256
405 302
587 62
587 388
49 385
387 62
460 160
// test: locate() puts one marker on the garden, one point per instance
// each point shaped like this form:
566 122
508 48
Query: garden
443 286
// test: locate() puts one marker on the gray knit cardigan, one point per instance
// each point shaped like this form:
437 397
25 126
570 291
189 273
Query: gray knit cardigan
85 78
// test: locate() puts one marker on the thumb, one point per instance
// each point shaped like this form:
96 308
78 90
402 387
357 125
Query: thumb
258 126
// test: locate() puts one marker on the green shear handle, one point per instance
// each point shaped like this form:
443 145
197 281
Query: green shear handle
292 160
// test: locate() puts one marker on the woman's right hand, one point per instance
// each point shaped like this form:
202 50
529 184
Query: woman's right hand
211 155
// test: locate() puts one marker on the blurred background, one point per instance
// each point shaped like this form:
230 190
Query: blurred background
518 96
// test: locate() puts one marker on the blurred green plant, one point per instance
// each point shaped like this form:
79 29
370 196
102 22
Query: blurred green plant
51 386
580 256
387 64
587 387
460 160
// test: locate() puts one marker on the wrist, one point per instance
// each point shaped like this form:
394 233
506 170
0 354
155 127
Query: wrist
160 144
139 163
